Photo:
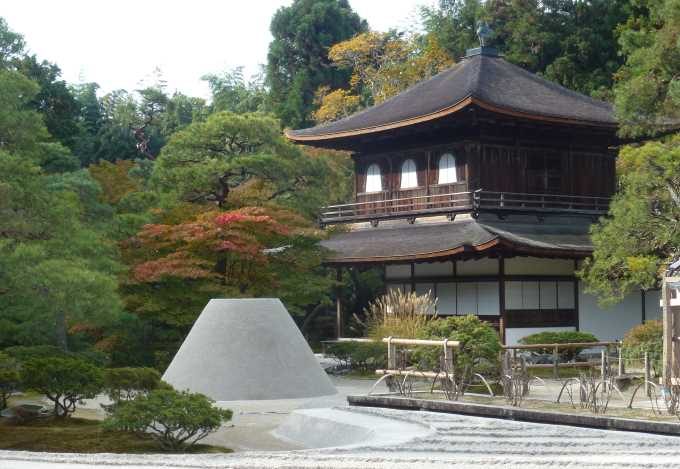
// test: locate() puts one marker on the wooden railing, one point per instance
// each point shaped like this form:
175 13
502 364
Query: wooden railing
401 207
514 201
379 206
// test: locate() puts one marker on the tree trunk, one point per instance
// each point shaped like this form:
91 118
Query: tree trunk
60 330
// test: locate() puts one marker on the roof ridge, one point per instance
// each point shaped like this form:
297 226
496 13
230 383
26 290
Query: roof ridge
475 78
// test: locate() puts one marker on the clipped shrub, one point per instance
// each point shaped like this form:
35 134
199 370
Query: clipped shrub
63 380
124 384
559 337
399 314
360 356
479 344
647 337
176 420
9 378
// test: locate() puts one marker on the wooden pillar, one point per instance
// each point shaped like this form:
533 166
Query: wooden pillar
339 320
578 314
413 277
501 295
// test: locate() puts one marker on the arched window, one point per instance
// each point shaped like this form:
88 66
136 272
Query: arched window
373 179
409 174
447 169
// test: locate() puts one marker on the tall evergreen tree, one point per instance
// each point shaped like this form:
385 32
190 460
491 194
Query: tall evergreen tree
297 63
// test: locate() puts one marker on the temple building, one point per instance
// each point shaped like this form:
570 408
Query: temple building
480 185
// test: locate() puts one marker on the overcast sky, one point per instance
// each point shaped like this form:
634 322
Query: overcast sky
117 43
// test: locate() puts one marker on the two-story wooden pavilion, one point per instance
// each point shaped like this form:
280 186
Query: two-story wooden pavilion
480 185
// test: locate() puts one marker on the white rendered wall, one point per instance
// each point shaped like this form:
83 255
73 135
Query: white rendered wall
538 266
446 298
512 335
434 269
398 271
482 266
488 299
608 323
546 294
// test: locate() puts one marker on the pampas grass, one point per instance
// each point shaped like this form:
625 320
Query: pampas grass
399 314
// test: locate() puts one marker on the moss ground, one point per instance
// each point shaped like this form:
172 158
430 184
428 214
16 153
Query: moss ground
77 435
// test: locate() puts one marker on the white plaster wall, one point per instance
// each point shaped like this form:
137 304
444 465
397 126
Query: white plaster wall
467 298
608 323
653 304
565 295
513 295
446 298
487 299
483 266
434 269
398 271
538 266
512 335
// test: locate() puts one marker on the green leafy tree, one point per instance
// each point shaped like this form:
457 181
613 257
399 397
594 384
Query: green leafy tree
479 342
647 88
231 92
54 100
297 62
12 44
10 378
54 269
176 420
240 159
64 381
21 128
642 232
571 42
124 384
645 338
454 24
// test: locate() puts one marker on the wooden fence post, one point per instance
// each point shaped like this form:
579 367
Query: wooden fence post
667 334
647 374
448 357
603 363
621 370
391 354
556 363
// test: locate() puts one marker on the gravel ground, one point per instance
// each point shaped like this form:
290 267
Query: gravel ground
268 434
449 441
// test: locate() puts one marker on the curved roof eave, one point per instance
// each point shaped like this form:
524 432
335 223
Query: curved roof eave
460 105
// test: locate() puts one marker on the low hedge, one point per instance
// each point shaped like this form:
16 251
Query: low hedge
360 356
561 337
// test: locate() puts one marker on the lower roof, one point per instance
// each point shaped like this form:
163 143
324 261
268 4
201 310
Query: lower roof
429 241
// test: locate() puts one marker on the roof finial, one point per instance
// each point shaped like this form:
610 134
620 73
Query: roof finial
484 33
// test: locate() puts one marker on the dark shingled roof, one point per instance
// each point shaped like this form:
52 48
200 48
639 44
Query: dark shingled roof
486 80
405 242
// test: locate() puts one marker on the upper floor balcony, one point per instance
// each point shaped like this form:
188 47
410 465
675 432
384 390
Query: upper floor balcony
454 199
